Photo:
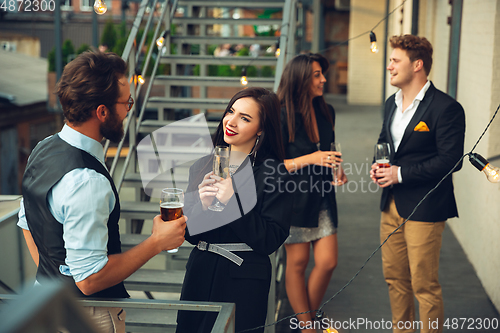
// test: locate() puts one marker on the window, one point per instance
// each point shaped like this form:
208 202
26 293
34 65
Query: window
86 5
67 4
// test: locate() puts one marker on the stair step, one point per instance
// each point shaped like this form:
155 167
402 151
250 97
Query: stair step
233 3
139 210
149 126
203 40
214 81
231 21
135 180
188 103
212 60
156 280
128 241
178 153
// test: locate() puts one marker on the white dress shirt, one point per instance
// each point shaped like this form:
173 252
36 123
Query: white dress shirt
402 118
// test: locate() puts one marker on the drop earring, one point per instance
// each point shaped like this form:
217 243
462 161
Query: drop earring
254 150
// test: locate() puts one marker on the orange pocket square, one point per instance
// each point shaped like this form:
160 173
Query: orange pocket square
421 127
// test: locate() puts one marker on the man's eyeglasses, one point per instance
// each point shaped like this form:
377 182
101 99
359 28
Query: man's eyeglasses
129 103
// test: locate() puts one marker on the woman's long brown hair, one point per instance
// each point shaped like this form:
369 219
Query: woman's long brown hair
294 93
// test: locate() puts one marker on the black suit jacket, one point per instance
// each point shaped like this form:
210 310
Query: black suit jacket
425 157
213 278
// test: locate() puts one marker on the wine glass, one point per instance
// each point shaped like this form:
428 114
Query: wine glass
171 204
383 155
335 146
221 169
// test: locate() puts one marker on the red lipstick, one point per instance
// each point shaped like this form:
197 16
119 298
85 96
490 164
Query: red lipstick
230 133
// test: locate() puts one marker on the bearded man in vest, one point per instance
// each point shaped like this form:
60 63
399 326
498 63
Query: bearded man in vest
70 208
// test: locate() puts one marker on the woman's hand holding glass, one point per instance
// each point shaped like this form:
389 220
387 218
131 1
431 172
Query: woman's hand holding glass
220 168
214 186
207 190
327 159
224 188
339 176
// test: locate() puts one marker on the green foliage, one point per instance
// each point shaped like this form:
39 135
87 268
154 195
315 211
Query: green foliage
84 47
267 71
252 71
244 51
122 30
195 49
109 35
211 49
122 39
212 70
224 70
119 46
68 52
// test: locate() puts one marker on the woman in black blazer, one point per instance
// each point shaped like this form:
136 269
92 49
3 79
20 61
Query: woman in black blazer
255 218
308 130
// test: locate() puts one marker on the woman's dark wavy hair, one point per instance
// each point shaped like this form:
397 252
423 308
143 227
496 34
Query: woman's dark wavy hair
294 93
270 143
89 81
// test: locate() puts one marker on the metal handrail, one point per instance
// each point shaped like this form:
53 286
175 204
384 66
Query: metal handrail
133 148
131 54
35 308
287 33
127 51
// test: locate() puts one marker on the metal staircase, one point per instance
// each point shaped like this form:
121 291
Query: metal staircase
175 150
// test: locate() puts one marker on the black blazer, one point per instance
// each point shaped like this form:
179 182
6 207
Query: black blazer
310 183
425 157
211 277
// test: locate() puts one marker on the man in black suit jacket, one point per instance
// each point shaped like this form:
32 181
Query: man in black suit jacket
425 130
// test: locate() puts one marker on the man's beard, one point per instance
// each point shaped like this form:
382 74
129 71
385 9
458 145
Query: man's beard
112 128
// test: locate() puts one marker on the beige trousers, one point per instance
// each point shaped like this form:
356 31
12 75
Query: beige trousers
410 261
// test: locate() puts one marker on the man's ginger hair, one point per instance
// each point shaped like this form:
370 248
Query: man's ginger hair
417 48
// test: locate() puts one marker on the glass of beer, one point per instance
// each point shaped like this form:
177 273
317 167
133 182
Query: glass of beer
221 169
383 155
335 146
171 205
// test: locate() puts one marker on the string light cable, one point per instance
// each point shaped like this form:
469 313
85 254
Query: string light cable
364 33
319 311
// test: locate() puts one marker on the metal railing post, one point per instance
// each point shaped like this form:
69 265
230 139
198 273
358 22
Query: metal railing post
283 42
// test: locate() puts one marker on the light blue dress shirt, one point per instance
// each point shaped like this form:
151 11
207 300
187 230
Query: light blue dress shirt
82 202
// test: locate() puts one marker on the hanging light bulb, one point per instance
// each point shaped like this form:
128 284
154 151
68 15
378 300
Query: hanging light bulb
100 7
161 40
373 42
278 51
243 79
140 79
492 172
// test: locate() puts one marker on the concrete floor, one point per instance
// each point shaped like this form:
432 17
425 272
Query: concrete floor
357 129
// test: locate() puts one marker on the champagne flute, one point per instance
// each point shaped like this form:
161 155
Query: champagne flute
335 146
383 155
221 169
171 204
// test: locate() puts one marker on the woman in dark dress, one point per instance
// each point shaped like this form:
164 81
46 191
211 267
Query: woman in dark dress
308 130
255 219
